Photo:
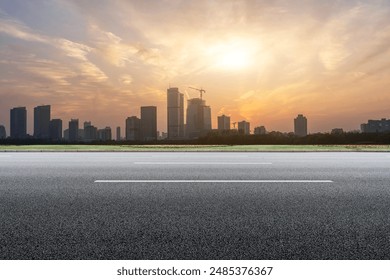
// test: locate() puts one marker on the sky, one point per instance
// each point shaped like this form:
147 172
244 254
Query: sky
260 61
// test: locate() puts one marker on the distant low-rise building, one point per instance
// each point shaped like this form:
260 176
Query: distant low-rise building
260 130
337 131
373 126
104 134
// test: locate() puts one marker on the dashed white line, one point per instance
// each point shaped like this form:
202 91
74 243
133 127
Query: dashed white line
213 181
195 163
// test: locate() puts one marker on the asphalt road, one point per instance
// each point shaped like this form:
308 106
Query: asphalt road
51 206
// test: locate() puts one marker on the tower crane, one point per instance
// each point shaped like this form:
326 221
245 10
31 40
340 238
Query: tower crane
201 91
234 125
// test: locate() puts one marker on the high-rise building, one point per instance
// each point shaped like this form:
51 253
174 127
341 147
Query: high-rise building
260 130
104 134
118 133
223 122
74 130
198 118
3 134
175 113
133 127
300 125
148 123
244 127
42 122
375 126
55 129
18 123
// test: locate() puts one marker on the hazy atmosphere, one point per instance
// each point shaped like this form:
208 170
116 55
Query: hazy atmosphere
260 61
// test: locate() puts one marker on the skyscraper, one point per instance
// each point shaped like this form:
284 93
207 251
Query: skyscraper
148 123
223 122
175 113
3 134
18 123
74 130
55 129
198 118
244 128
133 126
300 125
42 122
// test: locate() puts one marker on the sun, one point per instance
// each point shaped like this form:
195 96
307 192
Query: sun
232 55
234 59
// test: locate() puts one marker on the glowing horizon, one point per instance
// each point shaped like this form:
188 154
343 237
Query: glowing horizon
260 61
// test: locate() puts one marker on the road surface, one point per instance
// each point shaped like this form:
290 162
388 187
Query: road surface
194 205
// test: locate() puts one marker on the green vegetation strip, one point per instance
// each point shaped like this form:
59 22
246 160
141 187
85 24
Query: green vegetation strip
194 148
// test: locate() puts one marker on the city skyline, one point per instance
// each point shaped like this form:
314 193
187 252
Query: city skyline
259 61
144 128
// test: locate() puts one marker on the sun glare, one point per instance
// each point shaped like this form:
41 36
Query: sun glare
235 59
233 56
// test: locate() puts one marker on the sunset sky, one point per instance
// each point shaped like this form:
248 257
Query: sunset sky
260 61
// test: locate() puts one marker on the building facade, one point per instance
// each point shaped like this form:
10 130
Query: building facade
42 122
300 125
148 123
133 127
18 123
175 114
90 132
244 127
223 122
74 130
375 126
55 129
118 133
3 133
198 118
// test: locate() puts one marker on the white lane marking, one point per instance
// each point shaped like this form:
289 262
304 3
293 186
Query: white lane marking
194 163
213 181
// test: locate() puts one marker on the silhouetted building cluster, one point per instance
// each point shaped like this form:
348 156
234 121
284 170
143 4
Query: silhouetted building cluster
144 128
